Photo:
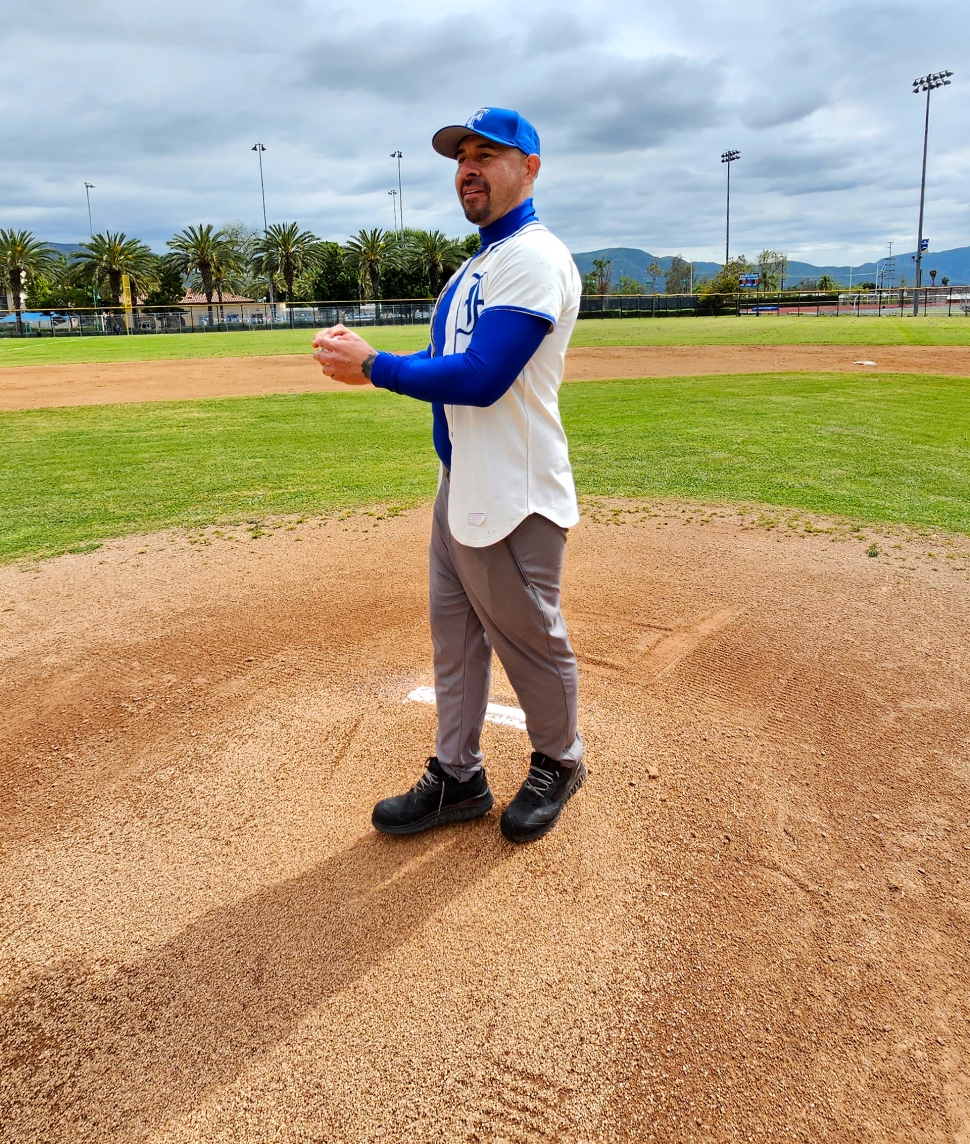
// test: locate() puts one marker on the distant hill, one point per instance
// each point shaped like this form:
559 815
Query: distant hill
64 247
952 264
627 260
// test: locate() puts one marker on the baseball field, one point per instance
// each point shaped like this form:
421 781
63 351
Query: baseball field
750 925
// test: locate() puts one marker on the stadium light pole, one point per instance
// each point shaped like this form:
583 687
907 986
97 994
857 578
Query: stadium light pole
728 157
88 188
259 149
929 84
393 195
400 193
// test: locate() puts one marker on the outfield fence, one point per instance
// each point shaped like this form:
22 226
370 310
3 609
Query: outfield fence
226 316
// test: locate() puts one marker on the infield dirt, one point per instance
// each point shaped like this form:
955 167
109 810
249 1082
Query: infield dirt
204 940
36 387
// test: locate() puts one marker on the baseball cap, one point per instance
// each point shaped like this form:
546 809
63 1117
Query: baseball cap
495 123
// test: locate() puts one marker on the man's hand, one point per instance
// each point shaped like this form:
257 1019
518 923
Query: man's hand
344 355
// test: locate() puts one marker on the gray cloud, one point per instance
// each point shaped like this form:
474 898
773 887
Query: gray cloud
159 108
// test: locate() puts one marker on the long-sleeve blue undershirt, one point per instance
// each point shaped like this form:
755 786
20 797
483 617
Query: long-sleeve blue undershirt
501 344
503 341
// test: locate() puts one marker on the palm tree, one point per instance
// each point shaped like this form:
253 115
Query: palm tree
22 258
368 253
437 255
288 251
107 257
201 252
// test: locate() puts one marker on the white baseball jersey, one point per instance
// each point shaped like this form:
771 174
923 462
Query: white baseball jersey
511 459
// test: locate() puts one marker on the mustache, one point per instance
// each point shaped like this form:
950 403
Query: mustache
475 182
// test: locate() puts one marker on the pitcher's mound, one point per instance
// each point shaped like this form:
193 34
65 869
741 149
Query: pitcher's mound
204 940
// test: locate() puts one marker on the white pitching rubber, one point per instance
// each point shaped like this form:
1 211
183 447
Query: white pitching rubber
494 712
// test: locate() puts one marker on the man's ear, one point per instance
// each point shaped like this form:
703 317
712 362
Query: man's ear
532 165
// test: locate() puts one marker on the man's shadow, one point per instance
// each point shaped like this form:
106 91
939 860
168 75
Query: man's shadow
83 1054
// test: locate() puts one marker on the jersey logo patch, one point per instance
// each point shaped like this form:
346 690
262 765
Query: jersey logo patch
476 518
472 304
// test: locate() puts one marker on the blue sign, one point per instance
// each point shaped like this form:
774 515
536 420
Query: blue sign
750 279
924 244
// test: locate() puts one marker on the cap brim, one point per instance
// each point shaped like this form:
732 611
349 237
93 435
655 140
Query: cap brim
447 141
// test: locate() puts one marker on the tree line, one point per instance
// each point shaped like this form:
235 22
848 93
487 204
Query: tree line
231 259
679 278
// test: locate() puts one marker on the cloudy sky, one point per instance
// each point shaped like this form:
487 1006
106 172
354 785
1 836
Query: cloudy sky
158 105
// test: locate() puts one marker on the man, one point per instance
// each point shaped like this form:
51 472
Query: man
506 497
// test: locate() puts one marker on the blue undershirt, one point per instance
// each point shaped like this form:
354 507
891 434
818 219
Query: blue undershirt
503 341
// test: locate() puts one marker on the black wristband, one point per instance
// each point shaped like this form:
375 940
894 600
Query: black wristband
366 364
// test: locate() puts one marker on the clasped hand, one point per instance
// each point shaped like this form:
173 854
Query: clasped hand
342 354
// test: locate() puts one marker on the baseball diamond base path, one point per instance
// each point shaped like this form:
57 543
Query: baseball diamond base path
36 387
202 938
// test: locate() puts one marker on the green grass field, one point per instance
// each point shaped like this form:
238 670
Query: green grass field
766 330
879 448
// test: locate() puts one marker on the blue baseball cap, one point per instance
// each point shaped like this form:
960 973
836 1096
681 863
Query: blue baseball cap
495 123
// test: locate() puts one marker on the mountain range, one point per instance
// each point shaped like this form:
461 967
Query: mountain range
632 262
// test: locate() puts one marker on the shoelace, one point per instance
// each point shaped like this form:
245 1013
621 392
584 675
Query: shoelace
540 780
426 781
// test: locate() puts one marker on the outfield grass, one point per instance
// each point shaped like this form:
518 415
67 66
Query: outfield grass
767 330
879 448
772 331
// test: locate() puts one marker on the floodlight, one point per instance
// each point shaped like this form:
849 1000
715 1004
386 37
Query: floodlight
931 82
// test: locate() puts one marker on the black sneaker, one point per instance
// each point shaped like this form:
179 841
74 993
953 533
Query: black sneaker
436 798
535 810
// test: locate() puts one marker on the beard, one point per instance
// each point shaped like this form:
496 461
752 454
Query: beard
476 214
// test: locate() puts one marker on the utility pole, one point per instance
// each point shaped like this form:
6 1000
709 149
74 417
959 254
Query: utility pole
393 195
728 157
928 83
259 149
400 193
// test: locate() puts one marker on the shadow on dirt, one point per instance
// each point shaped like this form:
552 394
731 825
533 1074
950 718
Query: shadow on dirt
84 1051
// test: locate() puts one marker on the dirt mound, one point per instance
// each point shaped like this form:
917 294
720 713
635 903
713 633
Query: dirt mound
204 940
36 387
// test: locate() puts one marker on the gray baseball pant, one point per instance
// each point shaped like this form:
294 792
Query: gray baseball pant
504 596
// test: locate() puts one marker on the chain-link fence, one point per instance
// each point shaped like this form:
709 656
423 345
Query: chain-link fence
203 318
